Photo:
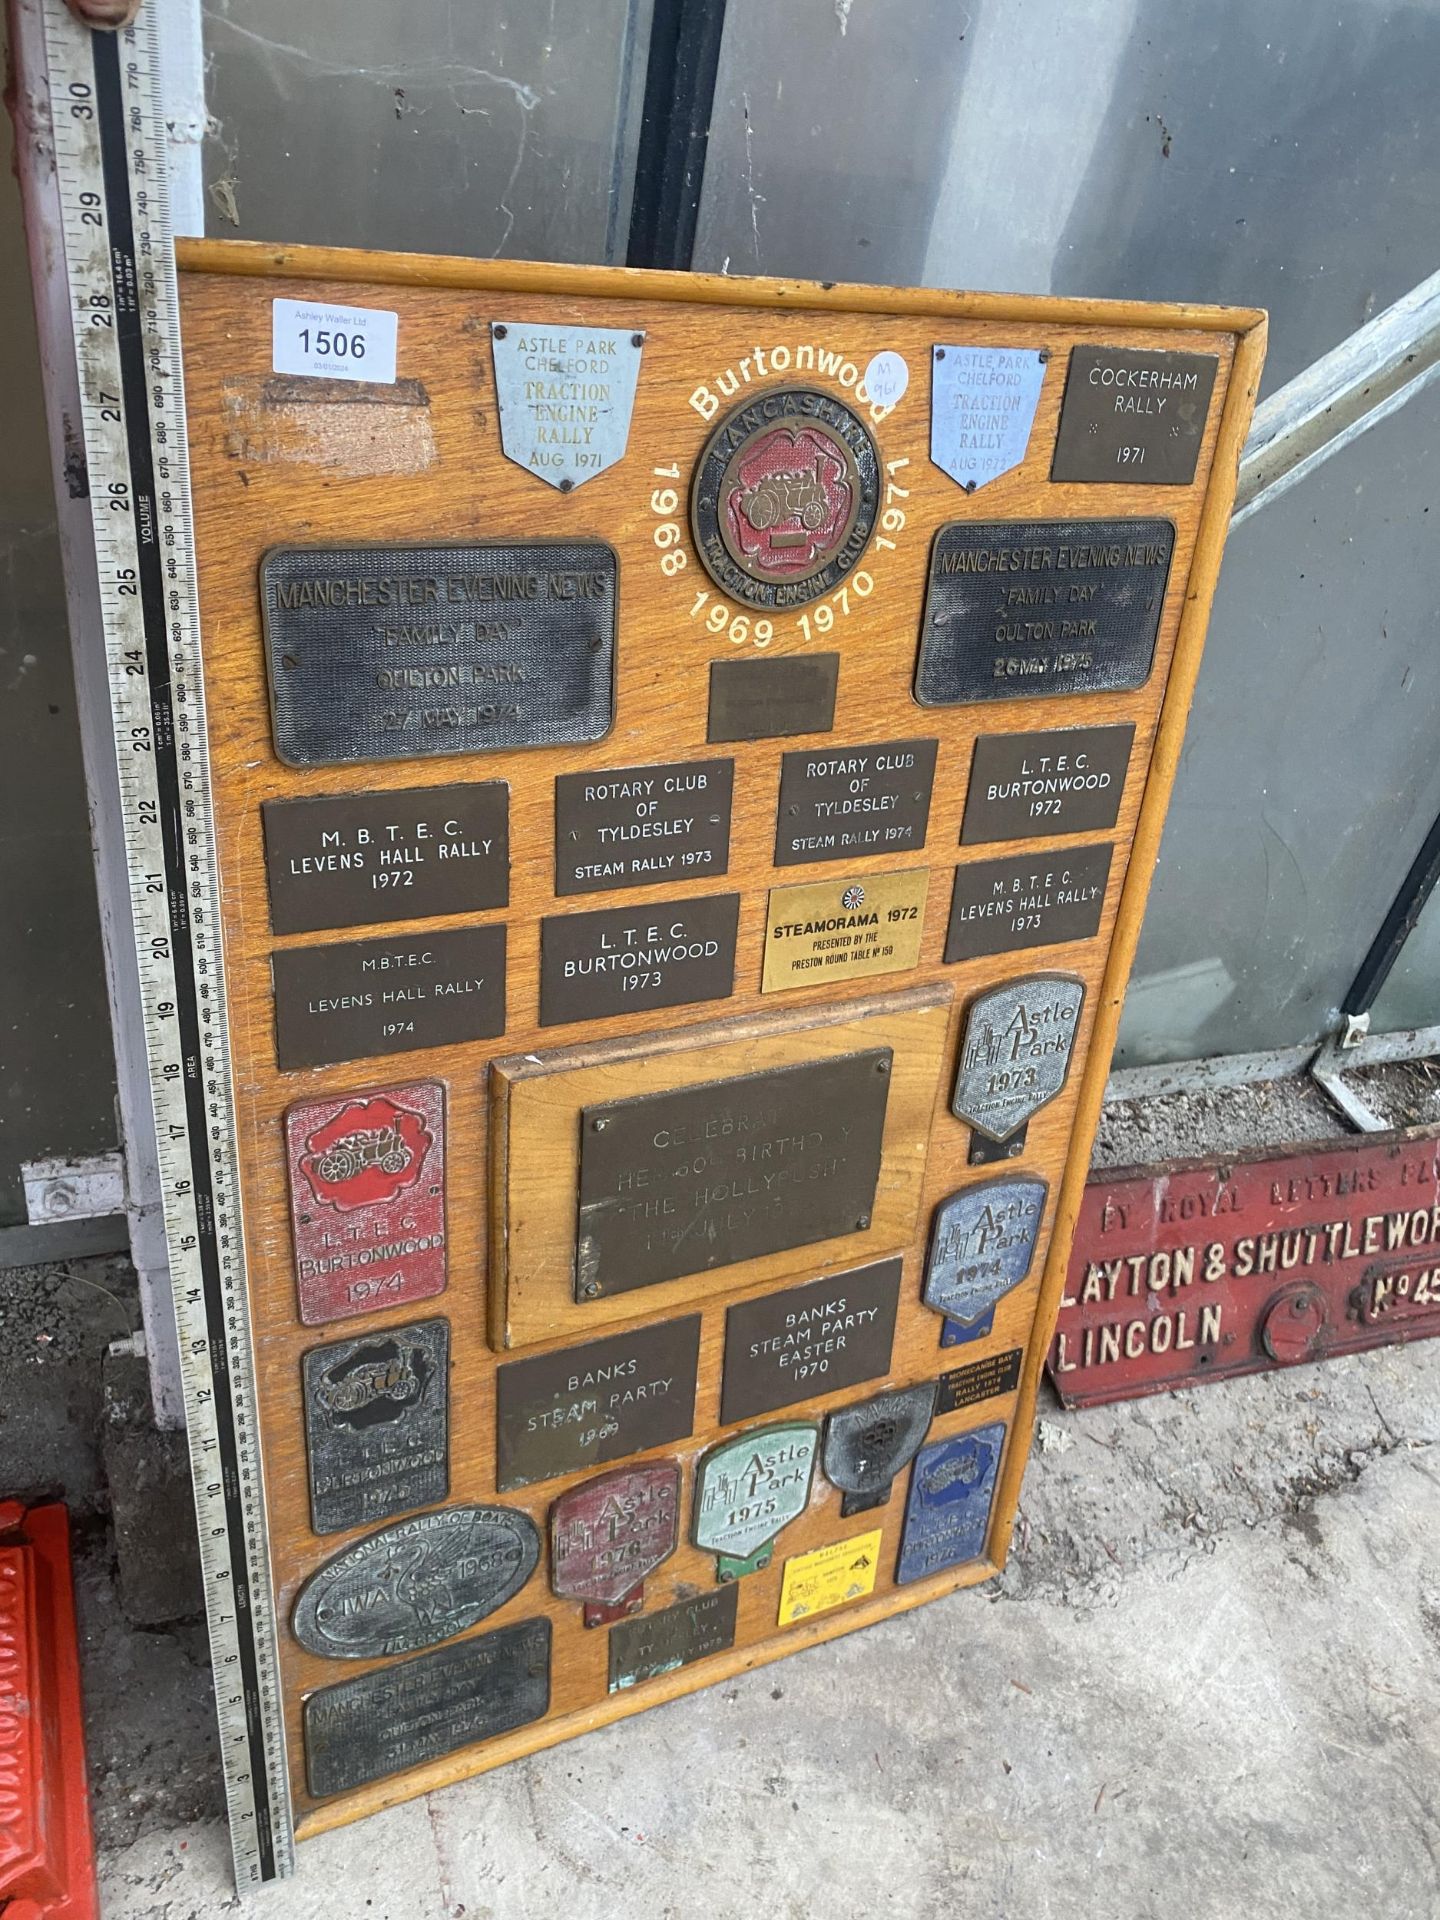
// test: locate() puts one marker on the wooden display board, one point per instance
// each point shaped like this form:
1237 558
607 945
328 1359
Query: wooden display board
649 1099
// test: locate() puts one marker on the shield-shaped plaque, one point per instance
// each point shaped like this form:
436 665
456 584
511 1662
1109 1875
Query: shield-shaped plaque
947 1513
867 1445
608 1535
980 1247
748 1489
982 403
1016 1054
566 395
418 1582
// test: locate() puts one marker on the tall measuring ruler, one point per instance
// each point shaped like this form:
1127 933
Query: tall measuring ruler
110 157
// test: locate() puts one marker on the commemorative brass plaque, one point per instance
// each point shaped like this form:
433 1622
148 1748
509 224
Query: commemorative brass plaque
1020 610
846 802
947 1512
609 1535
980 1248
867 1445
686 1181
418 1710
770 699
377 1425
1028 786
748 1489
584 1406
1133 416
348 860
372 997
828 930
980 1380
1033 900
809 1340
642 826
401 652
660 1642
1015 1056
784 497
422 1580
631 959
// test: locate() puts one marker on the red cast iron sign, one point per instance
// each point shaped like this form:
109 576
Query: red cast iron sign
367 1200
1201 1270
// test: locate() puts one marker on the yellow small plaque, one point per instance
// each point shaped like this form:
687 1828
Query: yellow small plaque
838 929
828 1577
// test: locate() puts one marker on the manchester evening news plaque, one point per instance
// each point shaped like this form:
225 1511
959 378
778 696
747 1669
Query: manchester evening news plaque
642 826
682 1182
1027 786
348 860
1033 609
401 653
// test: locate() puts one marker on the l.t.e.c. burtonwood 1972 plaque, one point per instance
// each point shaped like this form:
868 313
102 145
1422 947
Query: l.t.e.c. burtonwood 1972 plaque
586 855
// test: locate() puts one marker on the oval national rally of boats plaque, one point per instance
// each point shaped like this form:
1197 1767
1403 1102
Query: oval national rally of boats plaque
402 653
415 1583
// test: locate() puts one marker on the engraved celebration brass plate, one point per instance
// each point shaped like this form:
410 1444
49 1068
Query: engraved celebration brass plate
377 1425
401 1716
675 1637
770 699
845 802
1033 900
1034 609
748 1489
609 1535
813 1339
867 1445
829 930
585 1405
681 1182
981 1246
566 395
982 406
399 653
784 497
1015 1056
367 1200
642 826
980 1380
372 997
1132 415
422 1580
669 953
947 1513
1027 786
347 860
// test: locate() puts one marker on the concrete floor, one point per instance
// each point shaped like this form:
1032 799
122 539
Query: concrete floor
1207 1688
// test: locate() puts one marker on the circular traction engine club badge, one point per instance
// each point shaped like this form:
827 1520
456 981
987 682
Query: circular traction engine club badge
784 497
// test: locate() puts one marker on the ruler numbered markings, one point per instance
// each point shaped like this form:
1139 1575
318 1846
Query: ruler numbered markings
110 161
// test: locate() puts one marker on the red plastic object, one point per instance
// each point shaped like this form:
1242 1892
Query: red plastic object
1202 1270
47 1857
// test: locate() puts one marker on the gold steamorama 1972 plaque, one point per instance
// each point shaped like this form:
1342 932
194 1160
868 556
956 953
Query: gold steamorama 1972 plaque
687 759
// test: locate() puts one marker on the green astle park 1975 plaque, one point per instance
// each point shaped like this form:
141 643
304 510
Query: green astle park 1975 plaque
397 653
676 1183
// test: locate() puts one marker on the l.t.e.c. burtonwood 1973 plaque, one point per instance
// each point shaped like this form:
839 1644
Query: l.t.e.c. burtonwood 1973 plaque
687 757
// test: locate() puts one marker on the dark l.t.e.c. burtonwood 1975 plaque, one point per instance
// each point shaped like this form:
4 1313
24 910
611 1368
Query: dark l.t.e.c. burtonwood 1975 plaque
376 1424
1032 609
404 652
412 1711
703 1176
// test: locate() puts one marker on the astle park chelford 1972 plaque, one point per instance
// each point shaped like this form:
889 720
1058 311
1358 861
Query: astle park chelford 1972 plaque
687 756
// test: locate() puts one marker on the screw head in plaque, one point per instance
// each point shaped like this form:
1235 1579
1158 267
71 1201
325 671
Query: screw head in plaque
367 1200
981 1246
566 395
748 1490
1015 1056
609 1535
784 497
868 1444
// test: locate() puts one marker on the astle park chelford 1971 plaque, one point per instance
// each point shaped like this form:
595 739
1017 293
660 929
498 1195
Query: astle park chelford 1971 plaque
687 760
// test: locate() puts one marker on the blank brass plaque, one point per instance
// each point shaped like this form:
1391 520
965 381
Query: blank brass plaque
545 1284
